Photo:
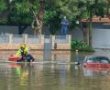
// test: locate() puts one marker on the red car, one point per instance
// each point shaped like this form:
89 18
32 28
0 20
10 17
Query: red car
93 62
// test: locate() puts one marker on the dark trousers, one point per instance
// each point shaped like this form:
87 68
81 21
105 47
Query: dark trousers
27 58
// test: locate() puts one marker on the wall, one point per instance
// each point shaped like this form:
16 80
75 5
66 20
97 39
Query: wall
36 43
77 34
13 29
101 36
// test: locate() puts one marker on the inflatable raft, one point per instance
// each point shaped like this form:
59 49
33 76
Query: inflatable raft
13 58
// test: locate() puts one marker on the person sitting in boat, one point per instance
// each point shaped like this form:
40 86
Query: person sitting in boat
23 52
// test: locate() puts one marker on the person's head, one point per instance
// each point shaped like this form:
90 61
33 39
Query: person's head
64 17
22 47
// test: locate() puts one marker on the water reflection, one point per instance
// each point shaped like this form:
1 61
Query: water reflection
53 76
49 77
96 71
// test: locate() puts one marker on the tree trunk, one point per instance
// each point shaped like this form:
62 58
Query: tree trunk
38 28
84 31
90 27
107 11
39 18
85 34
90 33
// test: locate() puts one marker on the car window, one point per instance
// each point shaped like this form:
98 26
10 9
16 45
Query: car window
98 59
89 61
93 59
104 61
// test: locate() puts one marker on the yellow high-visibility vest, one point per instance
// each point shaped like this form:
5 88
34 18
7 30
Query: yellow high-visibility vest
26 50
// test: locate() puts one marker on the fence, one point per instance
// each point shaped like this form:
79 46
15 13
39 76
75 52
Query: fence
11 41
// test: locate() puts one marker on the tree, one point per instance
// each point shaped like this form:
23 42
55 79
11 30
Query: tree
86 11
89 8
38 16
2 5
57 9
107 7
3 8
50 12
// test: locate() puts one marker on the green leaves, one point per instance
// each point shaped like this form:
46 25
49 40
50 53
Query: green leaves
81 46
23 7
2 5
21 10
49 15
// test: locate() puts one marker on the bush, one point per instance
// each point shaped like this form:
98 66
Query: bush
81 46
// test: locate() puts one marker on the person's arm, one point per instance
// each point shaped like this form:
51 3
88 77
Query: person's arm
18 53
26 51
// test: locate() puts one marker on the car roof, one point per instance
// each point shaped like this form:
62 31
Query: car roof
96 56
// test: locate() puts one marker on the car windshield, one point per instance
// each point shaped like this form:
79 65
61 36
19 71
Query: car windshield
100 59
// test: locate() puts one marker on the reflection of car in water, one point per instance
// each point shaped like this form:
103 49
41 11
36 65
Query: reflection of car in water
96 71
94 65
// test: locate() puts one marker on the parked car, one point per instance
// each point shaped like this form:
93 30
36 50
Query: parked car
96 62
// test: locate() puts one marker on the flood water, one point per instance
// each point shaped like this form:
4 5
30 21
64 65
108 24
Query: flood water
53 76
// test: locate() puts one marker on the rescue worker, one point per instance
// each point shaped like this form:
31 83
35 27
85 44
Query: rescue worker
23 52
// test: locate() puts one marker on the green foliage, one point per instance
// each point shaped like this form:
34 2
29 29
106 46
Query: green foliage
52 16
68 8
52 20
2 5
57 9
3 21
49 15
80 45
21 10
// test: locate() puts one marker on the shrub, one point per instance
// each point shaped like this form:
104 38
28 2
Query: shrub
81 46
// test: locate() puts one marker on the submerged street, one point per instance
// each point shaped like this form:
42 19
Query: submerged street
51 76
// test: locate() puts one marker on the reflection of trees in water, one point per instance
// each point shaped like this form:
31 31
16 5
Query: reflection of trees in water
54 75
51 77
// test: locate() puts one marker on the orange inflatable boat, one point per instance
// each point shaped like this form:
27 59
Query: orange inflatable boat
13 58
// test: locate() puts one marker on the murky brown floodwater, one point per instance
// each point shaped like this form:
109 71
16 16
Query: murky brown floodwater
60 76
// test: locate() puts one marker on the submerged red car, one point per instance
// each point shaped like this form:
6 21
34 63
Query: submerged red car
96 62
